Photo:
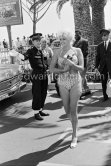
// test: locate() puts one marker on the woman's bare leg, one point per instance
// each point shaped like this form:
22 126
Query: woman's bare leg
75 93
65 98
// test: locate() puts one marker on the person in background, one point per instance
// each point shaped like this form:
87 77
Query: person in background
24 42
38 77
103 60
55 46
68 63
1 46
18 45
27 40
82 43
30 42
48 54
13 45
5 44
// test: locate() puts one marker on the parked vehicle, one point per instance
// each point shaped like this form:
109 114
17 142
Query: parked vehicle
10 78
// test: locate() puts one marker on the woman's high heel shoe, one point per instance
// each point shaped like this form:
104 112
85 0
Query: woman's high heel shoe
73 143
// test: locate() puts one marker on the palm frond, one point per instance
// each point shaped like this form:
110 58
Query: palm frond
72 2
44 12
37 3
60 5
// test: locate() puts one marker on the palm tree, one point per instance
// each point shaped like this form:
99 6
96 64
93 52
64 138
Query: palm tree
36 9
82 17
98 21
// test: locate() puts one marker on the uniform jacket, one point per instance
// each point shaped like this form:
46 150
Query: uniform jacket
103 58
36 59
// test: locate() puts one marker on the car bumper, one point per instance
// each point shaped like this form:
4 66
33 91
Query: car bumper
12 91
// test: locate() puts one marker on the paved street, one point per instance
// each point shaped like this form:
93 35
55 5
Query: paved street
27 142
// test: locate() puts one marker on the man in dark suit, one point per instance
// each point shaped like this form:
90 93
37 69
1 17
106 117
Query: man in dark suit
83 45
103 60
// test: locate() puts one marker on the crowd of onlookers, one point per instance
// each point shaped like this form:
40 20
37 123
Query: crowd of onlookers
24 42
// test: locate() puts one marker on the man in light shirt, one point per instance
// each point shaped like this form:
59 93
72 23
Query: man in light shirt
103 60
24 41
18 43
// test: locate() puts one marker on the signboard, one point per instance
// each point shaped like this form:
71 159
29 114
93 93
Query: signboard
10 12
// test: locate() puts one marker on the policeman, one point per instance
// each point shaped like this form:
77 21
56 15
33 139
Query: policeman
38 77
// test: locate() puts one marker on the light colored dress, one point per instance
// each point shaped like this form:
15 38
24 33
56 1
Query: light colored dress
71 78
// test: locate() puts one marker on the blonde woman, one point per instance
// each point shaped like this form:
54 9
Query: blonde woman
68 63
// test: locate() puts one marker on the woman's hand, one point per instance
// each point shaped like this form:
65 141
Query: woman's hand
71 65
69 62
66 68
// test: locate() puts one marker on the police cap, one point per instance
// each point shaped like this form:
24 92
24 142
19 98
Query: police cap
36 36
104 31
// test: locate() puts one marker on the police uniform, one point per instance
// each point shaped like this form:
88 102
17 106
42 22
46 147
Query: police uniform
38 77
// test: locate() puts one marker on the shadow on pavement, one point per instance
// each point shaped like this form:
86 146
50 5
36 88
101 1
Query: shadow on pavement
55 95
95 100
108 160
53 106
41 125
35 158
90 103
63 118
9 123
98 131
50 135
18 98
94 105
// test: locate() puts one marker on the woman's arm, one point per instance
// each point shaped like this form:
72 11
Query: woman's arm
53 66
80 65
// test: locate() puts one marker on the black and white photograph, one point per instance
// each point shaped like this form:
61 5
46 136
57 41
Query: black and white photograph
55 82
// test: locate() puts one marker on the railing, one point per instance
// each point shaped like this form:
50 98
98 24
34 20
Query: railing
92 51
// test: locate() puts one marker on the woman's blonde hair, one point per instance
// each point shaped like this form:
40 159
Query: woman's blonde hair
66 34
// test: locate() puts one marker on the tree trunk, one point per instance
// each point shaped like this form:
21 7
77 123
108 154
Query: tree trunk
97 18
9 36
34 19
82 18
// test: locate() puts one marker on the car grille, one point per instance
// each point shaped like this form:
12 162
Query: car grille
8 83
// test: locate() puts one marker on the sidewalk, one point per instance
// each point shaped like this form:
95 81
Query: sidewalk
92 105
26 142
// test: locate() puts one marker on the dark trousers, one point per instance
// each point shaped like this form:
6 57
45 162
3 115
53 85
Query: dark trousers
39 90
104 79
